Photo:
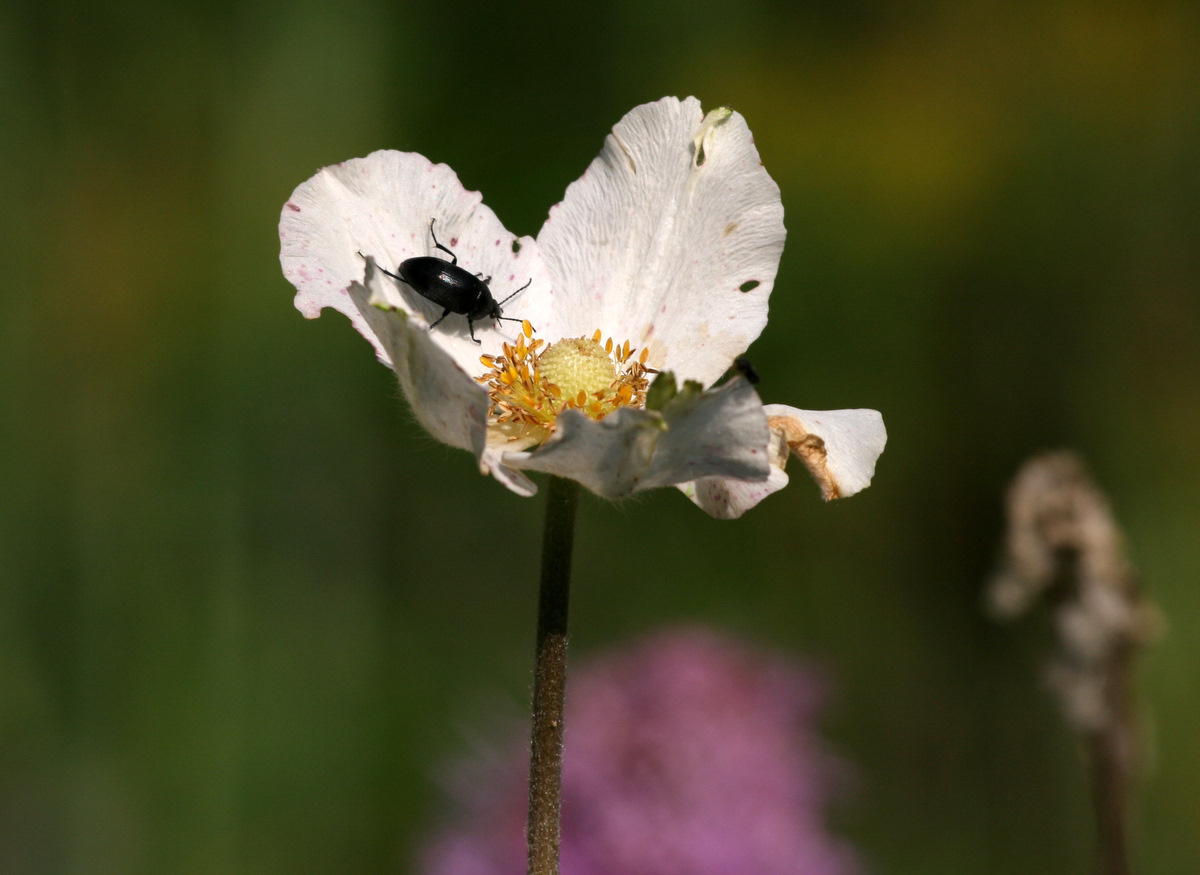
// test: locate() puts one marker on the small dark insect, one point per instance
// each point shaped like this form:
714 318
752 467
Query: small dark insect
452 287
743 364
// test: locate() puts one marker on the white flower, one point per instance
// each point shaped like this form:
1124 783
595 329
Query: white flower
660 258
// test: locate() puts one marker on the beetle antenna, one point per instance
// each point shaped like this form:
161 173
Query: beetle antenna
517 292
511 319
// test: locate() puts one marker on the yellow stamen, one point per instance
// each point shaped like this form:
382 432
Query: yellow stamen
530 386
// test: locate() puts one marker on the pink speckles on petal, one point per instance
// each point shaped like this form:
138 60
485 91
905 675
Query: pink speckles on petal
293 207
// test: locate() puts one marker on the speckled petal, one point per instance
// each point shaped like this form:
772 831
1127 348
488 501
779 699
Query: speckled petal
381 206
671 239
722 432
726 499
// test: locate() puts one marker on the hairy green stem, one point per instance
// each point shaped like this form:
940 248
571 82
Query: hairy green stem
550 678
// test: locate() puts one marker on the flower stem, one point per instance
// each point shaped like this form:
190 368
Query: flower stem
550 677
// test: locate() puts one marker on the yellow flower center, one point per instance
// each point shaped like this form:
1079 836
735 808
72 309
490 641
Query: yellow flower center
530 386
577 364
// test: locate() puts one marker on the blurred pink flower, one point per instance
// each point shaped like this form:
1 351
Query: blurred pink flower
687 754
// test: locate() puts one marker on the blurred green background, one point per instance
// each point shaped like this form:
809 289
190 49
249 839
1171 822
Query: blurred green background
247 606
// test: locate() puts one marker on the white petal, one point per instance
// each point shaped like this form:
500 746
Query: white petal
839 447
381 206
447 402
725 499
722 432
492 462
671 239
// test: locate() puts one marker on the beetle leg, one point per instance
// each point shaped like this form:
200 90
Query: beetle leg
445 313
440 246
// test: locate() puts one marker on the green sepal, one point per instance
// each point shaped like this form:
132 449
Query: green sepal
661 391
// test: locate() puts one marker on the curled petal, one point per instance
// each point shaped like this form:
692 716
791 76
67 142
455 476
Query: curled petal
722 432
672 238
446 401
839 447
492 462
726 499
715 433
609 457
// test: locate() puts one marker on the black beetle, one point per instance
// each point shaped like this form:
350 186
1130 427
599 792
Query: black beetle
743 364
452 287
